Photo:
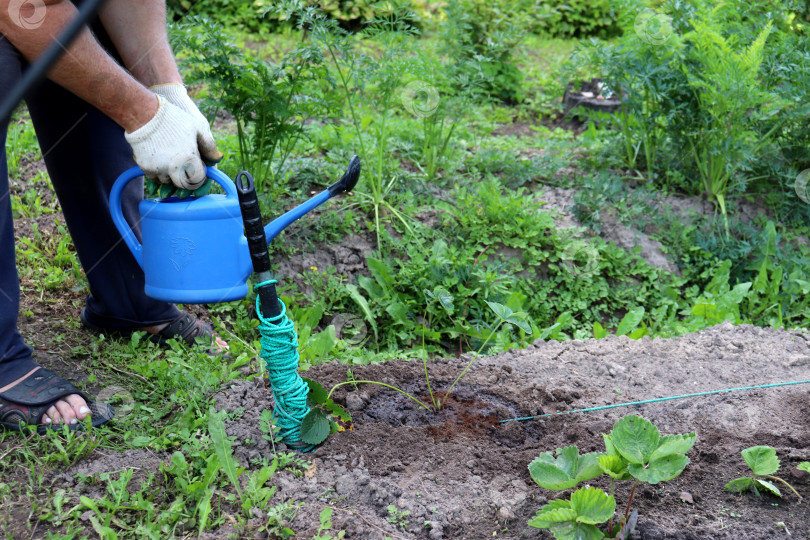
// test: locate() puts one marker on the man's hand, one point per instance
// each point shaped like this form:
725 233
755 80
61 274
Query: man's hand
176 94
166 147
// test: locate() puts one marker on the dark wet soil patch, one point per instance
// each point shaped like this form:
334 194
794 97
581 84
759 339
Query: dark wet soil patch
465 413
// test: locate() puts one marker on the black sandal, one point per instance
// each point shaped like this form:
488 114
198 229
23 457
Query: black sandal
25 403
185 328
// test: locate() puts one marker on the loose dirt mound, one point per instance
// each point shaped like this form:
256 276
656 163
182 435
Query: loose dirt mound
463 474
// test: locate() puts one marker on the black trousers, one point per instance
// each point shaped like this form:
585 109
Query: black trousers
84 153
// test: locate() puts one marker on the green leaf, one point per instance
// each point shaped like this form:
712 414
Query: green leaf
373 289
319 345
337 411
441 295
551 331
630 321
674 444
179 463
399 313
89 503
738 485
610 448
661 469
382 274
592 505
767 486
761 459
730 300
638 333
576 531
317 393
544 518
804 466
566 471
312 315
635 438
361 301
614 466
550 509
223 448
519 320
598 331
315 427
204 509
500 310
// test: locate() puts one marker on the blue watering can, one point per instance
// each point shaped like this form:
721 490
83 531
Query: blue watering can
194 250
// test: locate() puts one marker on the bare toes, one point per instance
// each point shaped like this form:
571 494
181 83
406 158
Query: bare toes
221 344
51 416
79 406
67 412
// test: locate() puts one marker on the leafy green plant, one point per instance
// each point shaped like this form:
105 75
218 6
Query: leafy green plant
21 141
325 525
575 18
635 450
566 470
730 96
488 33
369 84
243 14
398 517
577 517
269 102
763 463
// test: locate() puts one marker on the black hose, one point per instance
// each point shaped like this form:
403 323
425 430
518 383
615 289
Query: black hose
40 68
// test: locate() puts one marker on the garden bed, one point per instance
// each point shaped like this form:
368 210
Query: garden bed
463 474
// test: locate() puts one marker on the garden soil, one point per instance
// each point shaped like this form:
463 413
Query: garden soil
462 473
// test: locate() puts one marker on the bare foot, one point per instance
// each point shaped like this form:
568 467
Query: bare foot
70 409
219 344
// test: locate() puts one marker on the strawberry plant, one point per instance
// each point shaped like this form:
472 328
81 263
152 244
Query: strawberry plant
577 517
635 450
763 463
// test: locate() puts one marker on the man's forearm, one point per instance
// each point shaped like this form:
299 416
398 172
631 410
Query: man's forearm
138 30
85 68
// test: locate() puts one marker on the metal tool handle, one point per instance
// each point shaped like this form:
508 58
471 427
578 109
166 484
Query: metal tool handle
257 245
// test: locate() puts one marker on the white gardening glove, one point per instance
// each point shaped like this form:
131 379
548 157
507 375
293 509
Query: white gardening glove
166 149
176 94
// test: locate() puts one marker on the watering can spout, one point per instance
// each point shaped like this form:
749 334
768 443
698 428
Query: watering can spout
345 184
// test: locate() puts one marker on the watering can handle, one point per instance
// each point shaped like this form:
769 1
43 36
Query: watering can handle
118 217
